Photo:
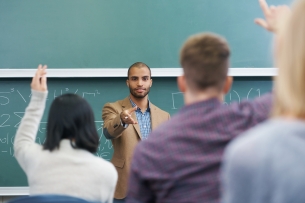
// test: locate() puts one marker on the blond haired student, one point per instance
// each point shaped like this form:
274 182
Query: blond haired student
267 163
65 164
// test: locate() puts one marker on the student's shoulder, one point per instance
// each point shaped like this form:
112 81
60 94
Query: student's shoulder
255 137
34 152
104 165
104 171
252 148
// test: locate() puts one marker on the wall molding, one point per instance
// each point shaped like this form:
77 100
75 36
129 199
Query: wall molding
121 72
14 191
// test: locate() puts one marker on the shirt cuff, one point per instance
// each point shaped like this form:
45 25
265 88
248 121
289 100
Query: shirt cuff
125 125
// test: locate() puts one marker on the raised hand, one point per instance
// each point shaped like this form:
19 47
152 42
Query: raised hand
274 16
126 116
39 81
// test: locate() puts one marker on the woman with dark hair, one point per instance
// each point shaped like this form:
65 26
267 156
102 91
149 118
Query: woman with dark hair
65 164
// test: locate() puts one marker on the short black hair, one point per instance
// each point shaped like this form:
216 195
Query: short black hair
71 117
139 65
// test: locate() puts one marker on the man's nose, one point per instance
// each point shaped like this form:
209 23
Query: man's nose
140 82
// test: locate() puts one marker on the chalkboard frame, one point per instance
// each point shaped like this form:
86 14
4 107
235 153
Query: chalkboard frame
121 72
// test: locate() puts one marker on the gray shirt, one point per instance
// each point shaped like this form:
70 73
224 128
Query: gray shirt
266 164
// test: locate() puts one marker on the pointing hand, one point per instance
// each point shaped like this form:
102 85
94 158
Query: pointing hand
126 116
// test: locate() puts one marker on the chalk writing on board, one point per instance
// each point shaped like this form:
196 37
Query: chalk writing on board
19 115
4 100
173 98
9 120
4 140
99 124
42 127
233 96
258 90
88 93
237 96
21 96
6 118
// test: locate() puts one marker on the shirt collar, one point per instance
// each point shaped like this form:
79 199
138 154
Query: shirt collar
133 105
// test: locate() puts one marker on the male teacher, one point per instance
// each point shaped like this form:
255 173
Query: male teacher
130 120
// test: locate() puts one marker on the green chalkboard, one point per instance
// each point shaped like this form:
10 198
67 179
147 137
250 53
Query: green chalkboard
15 96
116 33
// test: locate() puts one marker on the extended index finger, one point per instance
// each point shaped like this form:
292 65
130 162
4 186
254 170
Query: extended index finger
264 6
131 110
37 74
44 78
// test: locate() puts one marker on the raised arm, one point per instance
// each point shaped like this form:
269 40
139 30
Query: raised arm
274 16
27 130
249 113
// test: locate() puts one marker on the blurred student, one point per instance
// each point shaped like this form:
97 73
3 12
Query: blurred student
181 159
267 163
65 164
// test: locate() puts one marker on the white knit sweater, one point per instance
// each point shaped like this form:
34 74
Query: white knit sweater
66 171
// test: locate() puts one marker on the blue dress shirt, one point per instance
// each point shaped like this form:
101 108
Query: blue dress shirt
143 120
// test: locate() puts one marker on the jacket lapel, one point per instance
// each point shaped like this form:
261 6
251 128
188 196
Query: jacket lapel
153 116
127 105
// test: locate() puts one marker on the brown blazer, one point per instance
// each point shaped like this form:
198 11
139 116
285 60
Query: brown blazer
124 140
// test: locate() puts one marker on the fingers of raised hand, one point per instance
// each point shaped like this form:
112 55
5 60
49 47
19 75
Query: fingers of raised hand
44 83
43 78
264 6
39 81
272 16
261 22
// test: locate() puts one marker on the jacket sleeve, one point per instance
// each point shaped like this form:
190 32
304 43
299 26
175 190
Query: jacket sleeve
112 128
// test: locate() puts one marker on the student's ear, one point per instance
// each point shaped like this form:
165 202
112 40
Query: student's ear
228 84
181 83
151 81
127 83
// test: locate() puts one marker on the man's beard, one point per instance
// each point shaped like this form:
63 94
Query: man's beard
133 93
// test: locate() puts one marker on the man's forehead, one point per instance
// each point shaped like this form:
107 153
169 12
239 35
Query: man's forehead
138 75
139 71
